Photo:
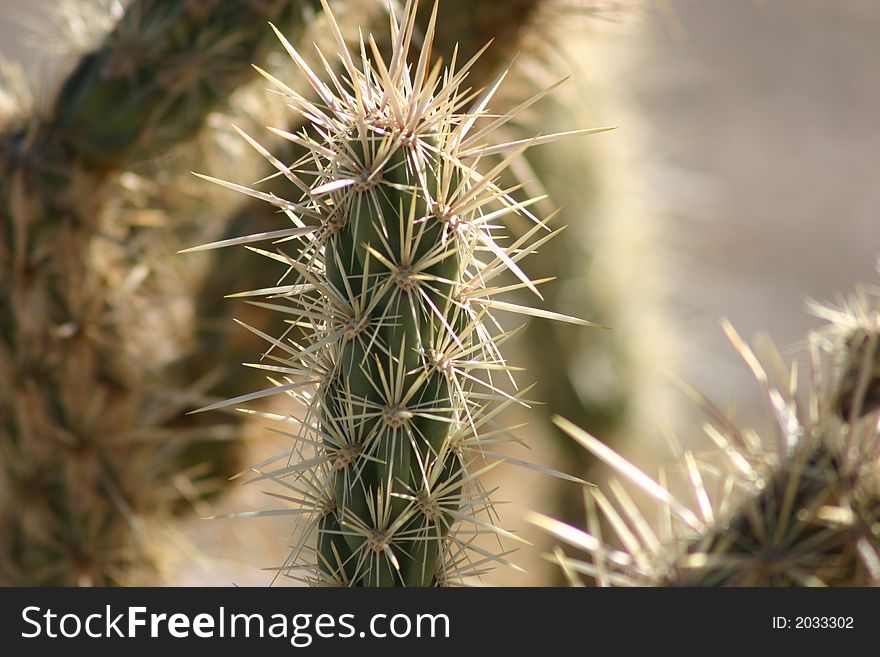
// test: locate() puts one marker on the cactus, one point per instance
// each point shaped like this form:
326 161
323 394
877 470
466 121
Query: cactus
399 263
90 428
798 508
463 25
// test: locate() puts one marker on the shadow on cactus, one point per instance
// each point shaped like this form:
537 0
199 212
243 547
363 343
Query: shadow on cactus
393 264
799 507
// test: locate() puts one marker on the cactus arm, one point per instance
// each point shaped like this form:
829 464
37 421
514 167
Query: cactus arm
158 74
389 300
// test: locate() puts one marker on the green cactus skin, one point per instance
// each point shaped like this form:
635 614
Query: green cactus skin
89 435
393 285
798 508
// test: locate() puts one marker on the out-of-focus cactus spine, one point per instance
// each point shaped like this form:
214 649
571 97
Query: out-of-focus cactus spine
393 284
84 446
798 508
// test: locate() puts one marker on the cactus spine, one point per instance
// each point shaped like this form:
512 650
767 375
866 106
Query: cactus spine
400 259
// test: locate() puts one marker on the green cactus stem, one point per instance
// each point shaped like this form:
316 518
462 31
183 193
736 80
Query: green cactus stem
399 260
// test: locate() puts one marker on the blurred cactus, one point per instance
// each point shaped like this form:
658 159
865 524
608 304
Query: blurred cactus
610 265
160 71
800 507
90 428
392 284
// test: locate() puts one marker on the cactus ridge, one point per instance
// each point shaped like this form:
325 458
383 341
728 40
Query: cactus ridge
390 293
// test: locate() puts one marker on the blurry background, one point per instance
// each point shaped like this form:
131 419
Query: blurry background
743 179
763 157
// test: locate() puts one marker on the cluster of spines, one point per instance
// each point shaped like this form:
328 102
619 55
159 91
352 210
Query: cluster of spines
393 349
799 507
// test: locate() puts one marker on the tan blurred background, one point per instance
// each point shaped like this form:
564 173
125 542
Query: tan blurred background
759 166
764 160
